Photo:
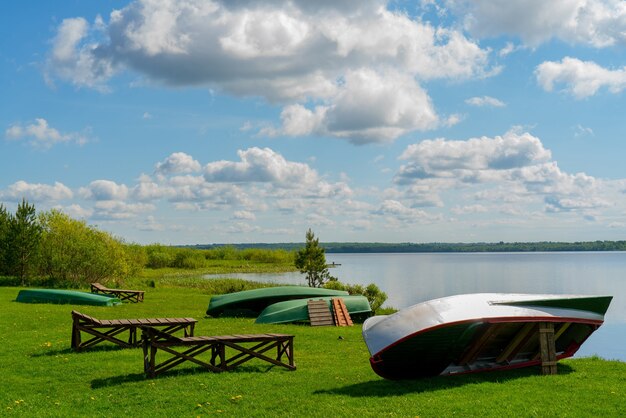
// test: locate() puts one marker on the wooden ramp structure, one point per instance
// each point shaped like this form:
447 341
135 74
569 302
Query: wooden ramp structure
320 313
340 313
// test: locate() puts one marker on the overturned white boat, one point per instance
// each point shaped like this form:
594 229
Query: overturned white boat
478 332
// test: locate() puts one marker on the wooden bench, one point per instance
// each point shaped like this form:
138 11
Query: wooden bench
123 294
109 329
241 348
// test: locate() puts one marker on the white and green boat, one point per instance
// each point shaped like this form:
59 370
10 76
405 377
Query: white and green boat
478 332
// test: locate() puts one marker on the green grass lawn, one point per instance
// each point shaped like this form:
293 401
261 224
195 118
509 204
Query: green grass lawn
41 376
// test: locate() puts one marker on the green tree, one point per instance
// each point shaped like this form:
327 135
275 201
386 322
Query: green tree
77 254
24 235
374 295
5 222
311 261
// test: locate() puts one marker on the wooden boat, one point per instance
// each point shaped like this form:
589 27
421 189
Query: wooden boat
252 302
478 332
297 310
65 297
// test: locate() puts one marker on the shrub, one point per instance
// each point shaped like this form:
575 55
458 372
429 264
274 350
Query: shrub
374 295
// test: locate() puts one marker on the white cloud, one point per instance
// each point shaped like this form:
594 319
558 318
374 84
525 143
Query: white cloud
104 190
118 210
582 131
76 211
73 59
322 62
508 49
474 160
244 215
242 228
261 165
37 192
147 190
512 169
318 220
485 101
368 107
41 135
178 162
581 78
150 224
458 210
598 23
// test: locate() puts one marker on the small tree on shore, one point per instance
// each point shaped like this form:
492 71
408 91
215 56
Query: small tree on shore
311 261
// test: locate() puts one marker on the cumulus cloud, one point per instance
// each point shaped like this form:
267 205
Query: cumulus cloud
119 210
262 165
474 160
37 192
581 78
513 168
104 190
178 162
76 211
75 59
331 57
41 135
368 107
598 23
485 101
400 211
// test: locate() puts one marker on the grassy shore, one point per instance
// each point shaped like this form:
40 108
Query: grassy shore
42 376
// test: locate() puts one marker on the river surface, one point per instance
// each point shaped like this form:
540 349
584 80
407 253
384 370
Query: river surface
410 278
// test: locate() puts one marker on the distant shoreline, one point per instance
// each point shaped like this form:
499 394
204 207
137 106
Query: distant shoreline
437 247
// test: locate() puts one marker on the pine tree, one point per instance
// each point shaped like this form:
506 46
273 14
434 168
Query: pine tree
24 235
311 261
5 219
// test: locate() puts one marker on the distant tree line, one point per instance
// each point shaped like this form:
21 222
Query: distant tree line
439 247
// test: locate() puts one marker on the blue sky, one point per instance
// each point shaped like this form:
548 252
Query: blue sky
184 122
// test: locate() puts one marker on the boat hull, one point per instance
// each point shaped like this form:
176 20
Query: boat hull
252 302
297 310
473 333
71 297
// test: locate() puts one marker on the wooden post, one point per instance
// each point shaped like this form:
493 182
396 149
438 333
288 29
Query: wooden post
548 349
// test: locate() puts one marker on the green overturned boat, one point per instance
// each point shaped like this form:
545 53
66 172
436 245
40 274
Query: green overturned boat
252 302
297 310
65 297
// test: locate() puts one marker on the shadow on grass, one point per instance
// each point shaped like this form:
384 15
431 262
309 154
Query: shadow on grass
135 377
117 380
103 348
383 388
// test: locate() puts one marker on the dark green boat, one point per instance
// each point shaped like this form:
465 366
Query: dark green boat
252 302
297 310
65 297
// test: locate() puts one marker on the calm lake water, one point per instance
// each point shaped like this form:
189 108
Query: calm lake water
416 277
